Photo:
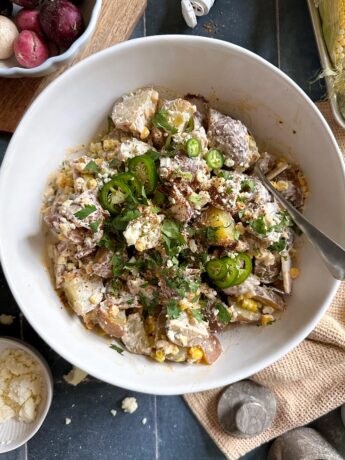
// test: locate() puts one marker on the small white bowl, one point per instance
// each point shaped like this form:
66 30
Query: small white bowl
13 434
90 9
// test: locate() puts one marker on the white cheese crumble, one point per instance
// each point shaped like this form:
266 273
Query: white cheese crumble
144 421
129 405
20 386
6 320
67 421
113 412
75 376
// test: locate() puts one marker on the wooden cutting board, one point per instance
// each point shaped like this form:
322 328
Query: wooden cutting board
115 24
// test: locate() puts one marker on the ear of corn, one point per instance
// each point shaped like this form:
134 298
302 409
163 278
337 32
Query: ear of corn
332 13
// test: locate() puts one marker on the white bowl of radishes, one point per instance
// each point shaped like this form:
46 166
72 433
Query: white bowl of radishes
38 36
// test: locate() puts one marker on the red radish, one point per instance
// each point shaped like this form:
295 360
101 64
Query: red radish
26 3
28 20
61 21
30 49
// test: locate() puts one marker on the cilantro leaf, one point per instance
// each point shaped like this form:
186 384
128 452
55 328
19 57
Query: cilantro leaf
117 264
197 314
190 125
159 120
106 242
170 229
148 304
278 246
120 222
116 348
94 226
85 211
173 310
248 185
91 167
259 226
113 163
224 314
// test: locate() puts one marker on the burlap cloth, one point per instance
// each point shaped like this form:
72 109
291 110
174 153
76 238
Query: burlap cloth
308 382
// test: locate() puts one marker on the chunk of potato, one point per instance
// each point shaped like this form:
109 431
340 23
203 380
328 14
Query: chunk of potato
224 224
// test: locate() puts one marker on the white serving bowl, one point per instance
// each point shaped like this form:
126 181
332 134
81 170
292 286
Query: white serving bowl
13 433
74 108
90 10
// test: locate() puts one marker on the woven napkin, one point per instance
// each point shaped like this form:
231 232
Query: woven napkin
308 382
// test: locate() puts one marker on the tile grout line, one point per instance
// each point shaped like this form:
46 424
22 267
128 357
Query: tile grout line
156 427
26 451
144 23
277 30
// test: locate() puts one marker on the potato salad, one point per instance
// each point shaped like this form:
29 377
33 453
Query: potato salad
160 234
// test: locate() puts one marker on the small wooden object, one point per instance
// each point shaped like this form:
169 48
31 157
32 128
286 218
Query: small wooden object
115 24
302 444
246 409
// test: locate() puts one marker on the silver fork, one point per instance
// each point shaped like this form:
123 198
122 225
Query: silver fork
332 254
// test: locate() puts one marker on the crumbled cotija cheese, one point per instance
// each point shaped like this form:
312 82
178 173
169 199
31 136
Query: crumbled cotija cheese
20 386
129 405
6 320
75 376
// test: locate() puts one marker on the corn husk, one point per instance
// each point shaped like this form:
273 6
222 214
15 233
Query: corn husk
332 14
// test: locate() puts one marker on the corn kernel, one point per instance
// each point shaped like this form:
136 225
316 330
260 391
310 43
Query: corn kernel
144 133
266 319
294 272
95 147
281 185
159 356
150 324
110 144
195 354
95 298
91 184
249 304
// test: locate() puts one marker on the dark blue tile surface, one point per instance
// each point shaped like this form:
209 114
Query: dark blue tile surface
280 31
248 23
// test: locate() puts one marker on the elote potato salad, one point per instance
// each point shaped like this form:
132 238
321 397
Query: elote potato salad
161 235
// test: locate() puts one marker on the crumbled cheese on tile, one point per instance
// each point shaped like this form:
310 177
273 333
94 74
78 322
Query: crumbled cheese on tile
75 376
20 386
129 405
6 320
67 421
144 421
113 412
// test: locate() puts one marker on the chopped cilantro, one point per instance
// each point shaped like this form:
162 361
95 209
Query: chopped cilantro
278 246
94 226
91 167
85 211
116 348
190 125
285 221
159 120
148 304
259 226
173 310
248 185
106 242
242 199
120 222
224 314
225 174
113 163
197 314
117 264
229 190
